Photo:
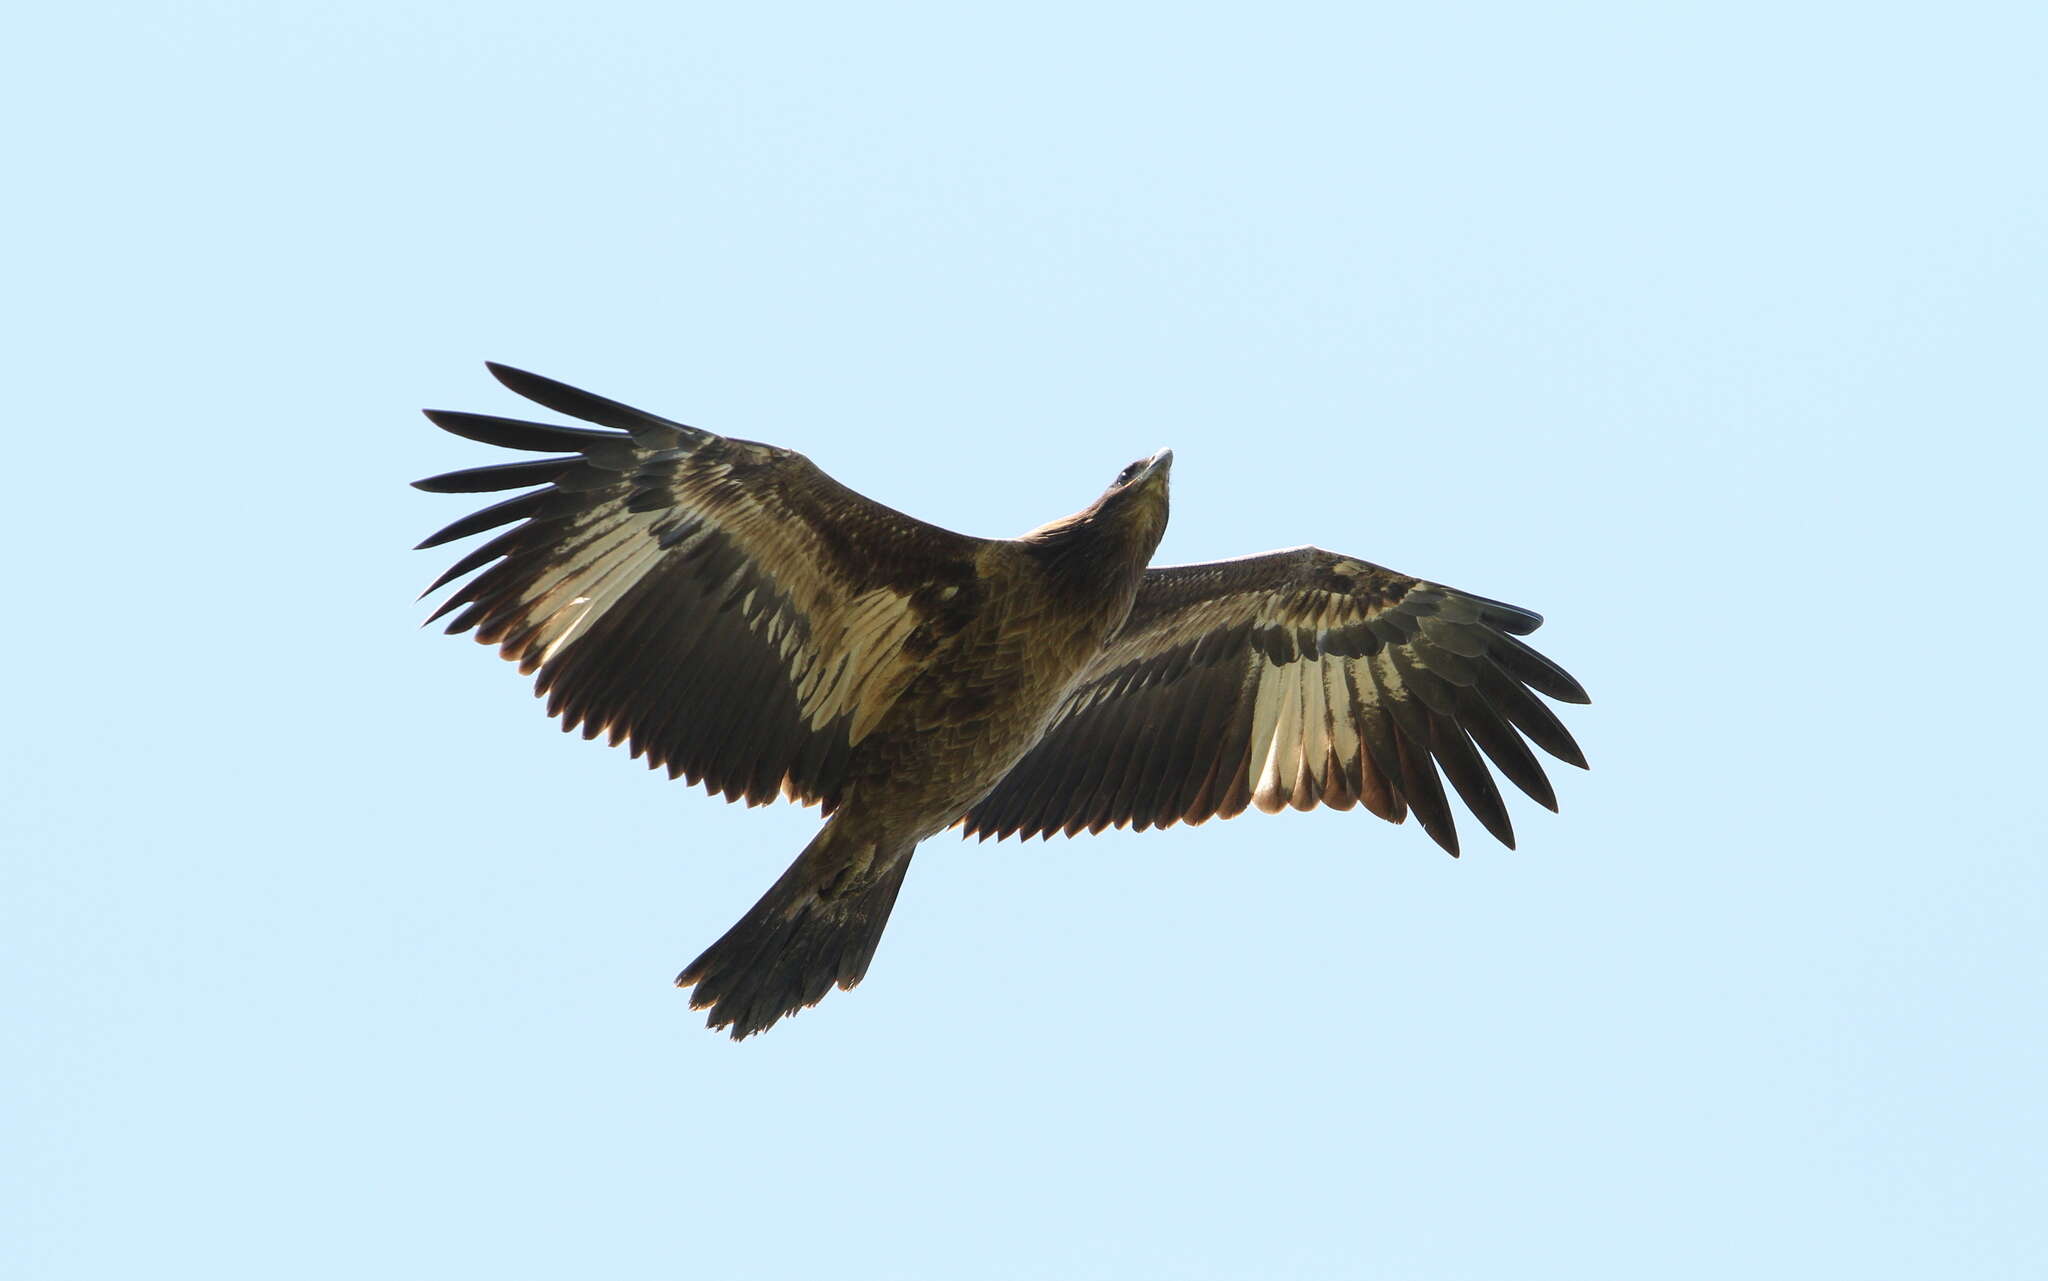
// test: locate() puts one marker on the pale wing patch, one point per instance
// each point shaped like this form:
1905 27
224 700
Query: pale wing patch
1304 729
845 669
1340 726
600 565
1315 736
851 665
1262 771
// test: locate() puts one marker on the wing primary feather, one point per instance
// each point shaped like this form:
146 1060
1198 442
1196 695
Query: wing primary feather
1275 787
1435 692
1528 714
1380 760
1537 672
517 433
1313 766
1415 771
497 547
581 675
1509 618
1396 626
485 587
491 517
591 408
1462 639
1510 755
479 480
1410 717
1468 774
1425 794
1340 729
578 587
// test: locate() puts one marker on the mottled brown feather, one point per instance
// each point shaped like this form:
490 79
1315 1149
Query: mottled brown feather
1381 687
691 595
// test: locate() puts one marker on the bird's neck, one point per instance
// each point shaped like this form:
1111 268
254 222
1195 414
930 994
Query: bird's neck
1091 559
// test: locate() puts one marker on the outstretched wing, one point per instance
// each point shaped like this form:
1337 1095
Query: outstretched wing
1294 678
731 611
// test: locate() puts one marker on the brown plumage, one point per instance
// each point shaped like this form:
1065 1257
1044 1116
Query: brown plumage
742 620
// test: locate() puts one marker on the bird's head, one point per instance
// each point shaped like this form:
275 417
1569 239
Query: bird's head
1145 475
1136 499
1131 511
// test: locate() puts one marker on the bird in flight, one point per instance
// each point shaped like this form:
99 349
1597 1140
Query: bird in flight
742 620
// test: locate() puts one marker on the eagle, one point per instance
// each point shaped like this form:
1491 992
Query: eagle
738 618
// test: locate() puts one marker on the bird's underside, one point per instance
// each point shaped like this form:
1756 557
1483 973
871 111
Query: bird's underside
738 618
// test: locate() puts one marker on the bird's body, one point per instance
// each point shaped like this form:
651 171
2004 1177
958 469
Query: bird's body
745 621
984 694
980 700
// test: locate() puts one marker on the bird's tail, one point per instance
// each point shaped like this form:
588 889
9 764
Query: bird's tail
815 927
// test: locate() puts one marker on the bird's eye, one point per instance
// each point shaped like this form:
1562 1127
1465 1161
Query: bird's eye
1128 472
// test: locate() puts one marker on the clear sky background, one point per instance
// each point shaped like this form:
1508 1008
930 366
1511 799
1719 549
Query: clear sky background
1714 332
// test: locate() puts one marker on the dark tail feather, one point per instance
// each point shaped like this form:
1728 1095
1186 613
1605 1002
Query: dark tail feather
815 927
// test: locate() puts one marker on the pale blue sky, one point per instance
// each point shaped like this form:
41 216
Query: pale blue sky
1714 332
